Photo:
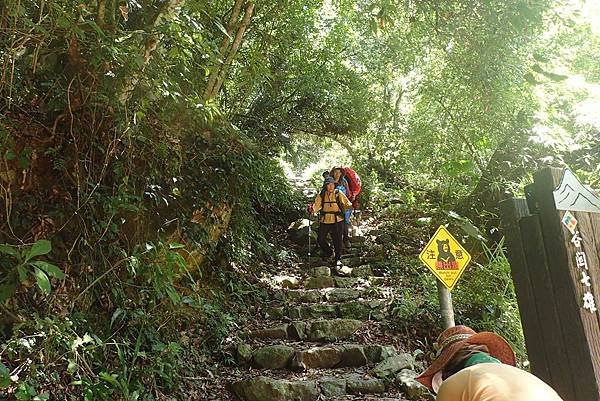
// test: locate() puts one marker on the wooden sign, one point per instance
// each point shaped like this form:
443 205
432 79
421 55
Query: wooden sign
554 252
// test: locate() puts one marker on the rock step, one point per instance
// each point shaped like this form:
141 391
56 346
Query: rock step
359 310
321 357
327 294
263 388
314 330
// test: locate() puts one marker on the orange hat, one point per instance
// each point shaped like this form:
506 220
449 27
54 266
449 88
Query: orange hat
451 340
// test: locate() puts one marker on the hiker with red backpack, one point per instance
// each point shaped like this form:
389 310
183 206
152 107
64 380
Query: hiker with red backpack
338 175
331 202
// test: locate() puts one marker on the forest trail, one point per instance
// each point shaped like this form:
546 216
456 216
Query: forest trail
323 334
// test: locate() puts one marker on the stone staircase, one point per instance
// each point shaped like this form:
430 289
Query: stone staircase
323 336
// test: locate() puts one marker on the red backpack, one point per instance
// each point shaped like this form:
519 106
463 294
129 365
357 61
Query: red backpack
354 184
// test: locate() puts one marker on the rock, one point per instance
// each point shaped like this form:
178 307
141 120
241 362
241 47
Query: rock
332 330
342 294
392 365
343 271
274 313
412 388
361 310
264 388
363 271
351 261
298 330
378 353
319 282
243 353
353 355
377 281
318 357
308 296
332 386
345 282
273 356
356 384
271 333
322 271
317 311
286 281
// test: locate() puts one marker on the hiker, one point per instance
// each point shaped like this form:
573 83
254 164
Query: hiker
342 185
473 366
331 202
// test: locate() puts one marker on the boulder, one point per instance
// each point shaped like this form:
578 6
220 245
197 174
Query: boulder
378 353
346 282
318 357
298 330
319 282
342 294
273 356
308 296
274 313
356 384
264 388
322 271
392 365
316 312
363 271
276 332
361 310
332 330
243 353
332 386
412 388
353 356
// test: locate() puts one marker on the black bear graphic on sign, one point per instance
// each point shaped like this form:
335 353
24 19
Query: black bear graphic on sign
445 258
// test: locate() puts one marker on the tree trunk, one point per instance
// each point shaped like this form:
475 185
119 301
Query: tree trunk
234 48
212 79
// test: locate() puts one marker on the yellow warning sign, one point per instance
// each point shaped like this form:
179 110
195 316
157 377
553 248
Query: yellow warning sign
445 257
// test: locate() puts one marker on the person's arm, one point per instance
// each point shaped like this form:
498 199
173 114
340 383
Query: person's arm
318 205
347 204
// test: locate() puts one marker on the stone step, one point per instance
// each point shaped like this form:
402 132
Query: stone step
312 330
281 356
345 386
359 309
264 388
327 294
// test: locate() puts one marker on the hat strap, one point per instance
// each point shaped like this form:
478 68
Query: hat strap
454 338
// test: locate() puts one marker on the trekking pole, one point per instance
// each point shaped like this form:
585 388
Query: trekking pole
309 235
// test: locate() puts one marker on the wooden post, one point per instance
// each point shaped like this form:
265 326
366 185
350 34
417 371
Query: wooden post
512 210
581 327
550 334
446 308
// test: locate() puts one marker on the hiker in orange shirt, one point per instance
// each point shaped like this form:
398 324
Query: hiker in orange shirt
480 367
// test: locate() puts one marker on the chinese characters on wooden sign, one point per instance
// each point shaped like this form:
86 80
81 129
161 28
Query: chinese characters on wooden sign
570 222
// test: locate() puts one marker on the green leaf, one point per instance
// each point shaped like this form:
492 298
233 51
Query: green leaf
42 397
50 269
22 273
41 247
176 246
9 250
72 366
6 291
42 280
4 376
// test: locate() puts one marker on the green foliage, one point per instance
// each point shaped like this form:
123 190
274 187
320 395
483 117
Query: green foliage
22 263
